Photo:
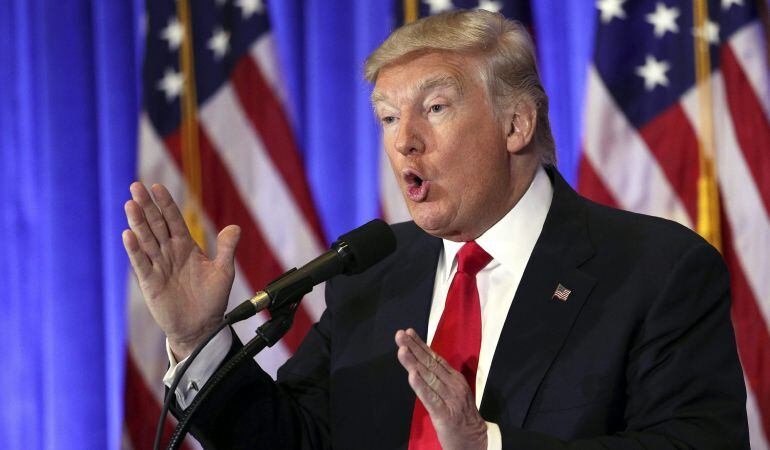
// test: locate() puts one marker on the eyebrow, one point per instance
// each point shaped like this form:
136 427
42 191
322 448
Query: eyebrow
441 81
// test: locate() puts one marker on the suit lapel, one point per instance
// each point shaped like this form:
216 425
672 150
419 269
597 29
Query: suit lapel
404 303
538 323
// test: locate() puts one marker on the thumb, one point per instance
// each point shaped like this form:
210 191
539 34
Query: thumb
227 241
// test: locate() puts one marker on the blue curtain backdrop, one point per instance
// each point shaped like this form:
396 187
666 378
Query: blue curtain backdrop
69 101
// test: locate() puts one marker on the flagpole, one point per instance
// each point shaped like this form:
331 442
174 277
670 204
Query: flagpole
708 221
191 161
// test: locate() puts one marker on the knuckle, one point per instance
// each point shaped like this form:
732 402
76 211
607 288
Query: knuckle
149 242
156 222
432 380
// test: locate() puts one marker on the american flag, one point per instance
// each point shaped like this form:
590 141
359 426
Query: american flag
561 293
678 125
214 130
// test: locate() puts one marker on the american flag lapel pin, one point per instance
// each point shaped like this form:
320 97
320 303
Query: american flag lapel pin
561 293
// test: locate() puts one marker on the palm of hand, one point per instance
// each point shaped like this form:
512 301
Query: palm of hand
185 290
185 280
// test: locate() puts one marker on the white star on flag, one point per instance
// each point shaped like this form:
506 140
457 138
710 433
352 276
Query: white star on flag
709 31
249 7
173 33
653 72
611 9
663 19
727 4
172 84
490 6
219 43
439 6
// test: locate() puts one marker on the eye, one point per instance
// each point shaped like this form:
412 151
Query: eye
387 120
437 108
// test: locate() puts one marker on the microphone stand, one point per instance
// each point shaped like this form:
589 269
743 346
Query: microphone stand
268 334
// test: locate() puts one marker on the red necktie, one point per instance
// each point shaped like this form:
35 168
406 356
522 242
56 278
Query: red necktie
457 338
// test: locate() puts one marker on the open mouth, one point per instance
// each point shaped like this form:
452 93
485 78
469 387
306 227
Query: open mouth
416 186
413 178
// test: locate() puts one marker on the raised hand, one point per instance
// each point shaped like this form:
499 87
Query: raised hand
185 290
444 392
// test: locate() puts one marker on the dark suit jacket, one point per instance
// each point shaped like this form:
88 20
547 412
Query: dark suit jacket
641 355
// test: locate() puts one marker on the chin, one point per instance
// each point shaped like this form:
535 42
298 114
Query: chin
437 218
443 226
431 224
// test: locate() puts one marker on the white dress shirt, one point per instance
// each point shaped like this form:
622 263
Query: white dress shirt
510 243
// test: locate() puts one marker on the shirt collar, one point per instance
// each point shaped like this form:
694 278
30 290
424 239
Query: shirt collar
510 241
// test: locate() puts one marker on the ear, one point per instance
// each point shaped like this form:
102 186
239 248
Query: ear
521 125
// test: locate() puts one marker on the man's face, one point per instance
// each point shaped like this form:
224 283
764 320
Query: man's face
446 146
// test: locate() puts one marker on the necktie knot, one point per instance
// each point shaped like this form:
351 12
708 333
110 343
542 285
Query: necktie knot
472 258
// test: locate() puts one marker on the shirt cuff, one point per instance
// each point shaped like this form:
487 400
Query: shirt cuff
494 438
201 368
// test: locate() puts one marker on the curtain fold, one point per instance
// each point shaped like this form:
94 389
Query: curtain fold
68 126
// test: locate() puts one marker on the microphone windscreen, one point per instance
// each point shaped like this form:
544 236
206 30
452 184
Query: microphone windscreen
370 243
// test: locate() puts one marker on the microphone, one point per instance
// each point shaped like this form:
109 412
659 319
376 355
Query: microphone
352 253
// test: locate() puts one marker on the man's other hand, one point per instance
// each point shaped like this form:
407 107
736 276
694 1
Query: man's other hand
444 392
186 291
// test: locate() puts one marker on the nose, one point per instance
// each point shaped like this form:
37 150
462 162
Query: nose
409 139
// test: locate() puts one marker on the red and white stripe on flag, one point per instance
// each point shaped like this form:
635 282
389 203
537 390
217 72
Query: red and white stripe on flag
251 175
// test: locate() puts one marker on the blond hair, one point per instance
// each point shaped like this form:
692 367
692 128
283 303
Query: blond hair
509 66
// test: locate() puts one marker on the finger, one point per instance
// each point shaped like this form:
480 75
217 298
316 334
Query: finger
419 344
151 212
429 376
428 388
141 265
227 241
406 357
427 356
138 224
436 365
421 355
174 219
429 397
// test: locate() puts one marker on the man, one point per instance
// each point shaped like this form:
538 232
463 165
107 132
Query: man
553 322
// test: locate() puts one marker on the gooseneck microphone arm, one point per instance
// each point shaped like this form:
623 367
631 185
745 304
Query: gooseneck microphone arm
294 284
352 253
